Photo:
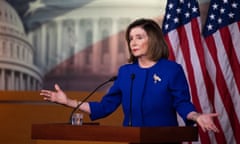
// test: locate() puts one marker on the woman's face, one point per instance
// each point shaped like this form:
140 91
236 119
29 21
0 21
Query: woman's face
138 42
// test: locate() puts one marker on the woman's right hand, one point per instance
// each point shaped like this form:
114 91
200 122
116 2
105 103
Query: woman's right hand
57 96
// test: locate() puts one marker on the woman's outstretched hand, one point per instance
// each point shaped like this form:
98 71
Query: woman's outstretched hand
57 96
205 121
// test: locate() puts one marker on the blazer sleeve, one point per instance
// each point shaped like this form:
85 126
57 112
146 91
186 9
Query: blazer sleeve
181 96
108 104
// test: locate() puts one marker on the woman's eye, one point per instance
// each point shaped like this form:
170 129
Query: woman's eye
139 37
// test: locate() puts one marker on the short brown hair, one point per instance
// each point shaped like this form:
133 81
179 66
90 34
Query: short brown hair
157 45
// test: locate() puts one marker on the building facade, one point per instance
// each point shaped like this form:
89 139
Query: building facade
17 71
83 47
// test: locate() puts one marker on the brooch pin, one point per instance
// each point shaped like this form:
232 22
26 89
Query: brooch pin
156 78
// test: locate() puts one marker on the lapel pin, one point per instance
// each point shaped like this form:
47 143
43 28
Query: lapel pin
156 78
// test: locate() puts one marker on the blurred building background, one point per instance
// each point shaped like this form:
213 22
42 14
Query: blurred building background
77 45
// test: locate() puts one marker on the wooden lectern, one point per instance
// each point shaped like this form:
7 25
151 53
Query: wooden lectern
114 133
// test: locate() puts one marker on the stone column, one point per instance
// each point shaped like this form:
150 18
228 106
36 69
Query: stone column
28 82
34 85
21 81
11 83
2 79
43 46
17 81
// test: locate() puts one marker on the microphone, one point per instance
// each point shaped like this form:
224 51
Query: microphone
130 101
102 84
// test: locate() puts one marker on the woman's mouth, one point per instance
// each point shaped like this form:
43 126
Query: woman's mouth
135 49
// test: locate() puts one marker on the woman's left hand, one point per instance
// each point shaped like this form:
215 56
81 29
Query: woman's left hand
205 121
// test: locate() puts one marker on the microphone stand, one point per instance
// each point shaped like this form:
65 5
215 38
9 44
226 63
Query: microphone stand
130 101
77 107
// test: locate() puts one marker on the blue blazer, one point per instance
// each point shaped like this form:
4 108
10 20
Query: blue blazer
155 94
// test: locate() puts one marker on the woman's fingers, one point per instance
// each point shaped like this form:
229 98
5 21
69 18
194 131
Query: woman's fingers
214 115
57 87
47 95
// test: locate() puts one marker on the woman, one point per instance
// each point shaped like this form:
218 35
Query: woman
151 88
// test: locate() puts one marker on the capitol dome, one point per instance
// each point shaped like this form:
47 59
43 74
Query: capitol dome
10 18
17 71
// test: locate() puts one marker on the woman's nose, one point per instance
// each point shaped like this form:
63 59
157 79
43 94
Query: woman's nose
133 43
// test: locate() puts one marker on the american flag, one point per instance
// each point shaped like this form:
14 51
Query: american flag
211 63
222 35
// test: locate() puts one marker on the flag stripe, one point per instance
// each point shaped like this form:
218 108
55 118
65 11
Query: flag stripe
230 51
222 41
235 35
183 46
224 63
171 53
182 52
206 81
222 87
190 71
227 71
218 103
